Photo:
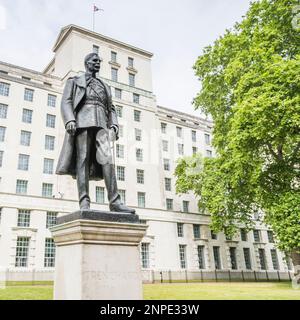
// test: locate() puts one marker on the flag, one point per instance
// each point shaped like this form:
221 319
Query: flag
96 9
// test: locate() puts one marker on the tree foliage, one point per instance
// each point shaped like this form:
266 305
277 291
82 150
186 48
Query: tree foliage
251 87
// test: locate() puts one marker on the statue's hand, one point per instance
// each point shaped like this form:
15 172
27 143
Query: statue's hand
71 128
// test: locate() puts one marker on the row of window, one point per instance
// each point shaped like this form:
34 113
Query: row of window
22 186
233 258
28 94
214 236
27 116
135 96
180 148
25 139
24 218
22 252
114 71
179 132
100 196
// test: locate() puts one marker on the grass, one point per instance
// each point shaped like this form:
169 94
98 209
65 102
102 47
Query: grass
179 291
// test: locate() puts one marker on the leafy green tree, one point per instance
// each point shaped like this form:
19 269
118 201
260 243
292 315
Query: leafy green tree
250 85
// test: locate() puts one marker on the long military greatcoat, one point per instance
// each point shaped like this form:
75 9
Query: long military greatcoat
72 100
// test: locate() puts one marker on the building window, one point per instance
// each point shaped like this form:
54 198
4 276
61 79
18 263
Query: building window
130 62
274 257
21 187
1 158
168 185
95 49
166 164
207 138
194 137
120 173
180 148
4 89
28 95
25 138
122 194
120 151
141 199
182 255
136 98
247 258
48 166
114 74
113 56
214 236
179 132
49 259
23 162
201 259
47 190
145 255
196 230
270 236
163 127
138 134
51 219
165 145
119 110
195 150
217 258
51 100
118 93
137 115
131 79
244 235
27 116
262 259
2 133
50 121
256 235
100 195
139 154
185 206
49 142
232 252
180 230
24 218
140 176
22 251
3 111
169 203
208 153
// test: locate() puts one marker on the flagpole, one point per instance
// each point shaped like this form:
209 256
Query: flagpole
94 17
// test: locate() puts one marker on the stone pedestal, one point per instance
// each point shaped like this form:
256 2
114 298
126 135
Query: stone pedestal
97 256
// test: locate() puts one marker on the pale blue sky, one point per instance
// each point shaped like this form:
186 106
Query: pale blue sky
175 31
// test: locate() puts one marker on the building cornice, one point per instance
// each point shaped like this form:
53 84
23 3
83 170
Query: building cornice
64 33
27 70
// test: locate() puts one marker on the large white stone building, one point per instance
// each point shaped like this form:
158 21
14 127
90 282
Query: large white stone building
152 138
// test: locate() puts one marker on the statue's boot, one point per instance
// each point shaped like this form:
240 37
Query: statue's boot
114 198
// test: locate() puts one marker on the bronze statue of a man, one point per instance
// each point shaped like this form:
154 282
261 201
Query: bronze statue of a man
91 122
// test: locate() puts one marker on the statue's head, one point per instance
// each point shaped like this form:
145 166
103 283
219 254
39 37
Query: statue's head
92 62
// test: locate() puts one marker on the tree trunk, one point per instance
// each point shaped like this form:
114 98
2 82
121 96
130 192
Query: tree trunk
295 255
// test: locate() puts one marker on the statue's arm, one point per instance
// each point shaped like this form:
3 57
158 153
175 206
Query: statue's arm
67 103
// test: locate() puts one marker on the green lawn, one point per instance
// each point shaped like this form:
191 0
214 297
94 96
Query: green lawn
196 291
